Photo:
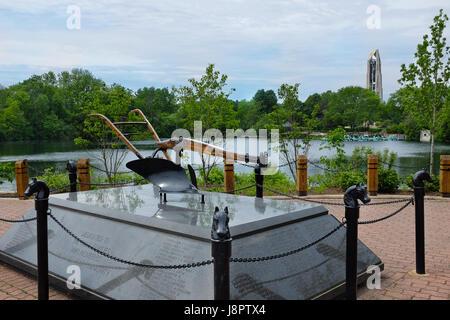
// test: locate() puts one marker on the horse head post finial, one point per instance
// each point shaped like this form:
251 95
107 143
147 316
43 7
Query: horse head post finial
421 176
42 192
354 193
220 230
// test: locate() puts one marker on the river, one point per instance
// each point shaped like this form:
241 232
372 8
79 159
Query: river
42 155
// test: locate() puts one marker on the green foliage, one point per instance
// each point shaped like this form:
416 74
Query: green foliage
6 171
205 100
346 179
428 78
294 126
265 101
343 172
278 181
429 186
158 106
216 177
351 106
388 180
55 180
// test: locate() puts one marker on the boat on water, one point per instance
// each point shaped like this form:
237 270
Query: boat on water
366 138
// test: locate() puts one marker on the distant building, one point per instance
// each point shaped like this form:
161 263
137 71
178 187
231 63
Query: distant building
374 82
425 136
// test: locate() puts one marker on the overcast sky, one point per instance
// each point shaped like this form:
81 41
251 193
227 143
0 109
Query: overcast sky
323 45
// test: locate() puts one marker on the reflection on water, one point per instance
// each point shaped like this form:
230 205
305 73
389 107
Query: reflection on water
42 155
184 208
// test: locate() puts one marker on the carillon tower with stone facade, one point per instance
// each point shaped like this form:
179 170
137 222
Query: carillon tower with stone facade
374 82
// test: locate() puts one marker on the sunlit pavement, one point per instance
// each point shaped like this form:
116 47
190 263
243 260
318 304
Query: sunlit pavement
393 240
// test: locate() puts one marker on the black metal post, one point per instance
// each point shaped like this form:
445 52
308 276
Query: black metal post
419 197
351 197
221 253
41 206
351 216
259 180
72 168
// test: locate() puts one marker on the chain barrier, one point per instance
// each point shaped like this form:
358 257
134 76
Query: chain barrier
298 198
103 170
246 165
333 203
403 167
137 264
195 264
112 184
389 202
315 164
16 221
411 201
240 189
288 253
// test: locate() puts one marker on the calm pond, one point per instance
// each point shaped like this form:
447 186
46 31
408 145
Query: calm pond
42 155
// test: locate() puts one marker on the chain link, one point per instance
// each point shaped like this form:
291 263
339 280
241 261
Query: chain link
403 167
332 203
288 253
298 198
16 221
389 215
137 264
240 189
103 170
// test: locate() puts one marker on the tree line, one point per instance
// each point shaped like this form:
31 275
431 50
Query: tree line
55 106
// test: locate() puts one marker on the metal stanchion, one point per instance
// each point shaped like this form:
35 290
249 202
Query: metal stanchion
351 197
221 253
419 196
259 180
72 168
41 205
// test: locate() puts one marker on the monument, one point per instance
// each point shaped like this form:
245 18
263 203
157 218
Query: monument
168 223
374 79
133 223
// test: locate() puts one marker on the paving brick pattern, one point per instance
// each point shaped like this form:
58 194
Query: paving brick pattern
392 240
15 285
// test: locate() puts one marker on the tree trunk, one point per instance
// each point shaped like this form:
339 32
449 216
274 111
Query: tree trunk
431 152
432 132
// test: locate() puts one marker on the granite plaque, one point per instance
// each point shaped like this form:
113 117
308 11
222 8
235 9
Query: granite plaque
133 224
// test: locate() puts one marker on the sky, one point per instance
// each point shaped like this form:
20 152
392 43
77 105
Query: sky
259 44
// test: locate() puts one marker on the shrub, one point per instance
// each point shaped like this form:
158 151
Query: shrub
346 179
55 180
429 186
6 171
388 180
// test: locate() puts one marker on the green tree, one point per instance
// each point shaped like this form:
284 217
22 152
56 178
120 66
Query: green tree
113 102
265 100
295 127
205 100
351 106
429 74
159 106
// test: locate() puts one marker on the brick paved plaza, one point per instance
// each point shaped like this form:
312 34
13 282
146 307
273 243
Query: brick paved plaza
392 240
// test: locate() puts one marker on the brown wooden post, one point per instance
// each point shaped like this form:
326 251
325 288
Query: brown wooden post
228 176
444 183
22 178
302 175
84 176
372 174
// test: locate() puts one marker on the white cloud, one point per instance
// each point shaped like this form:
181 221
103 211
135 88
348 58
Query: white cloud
258 41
